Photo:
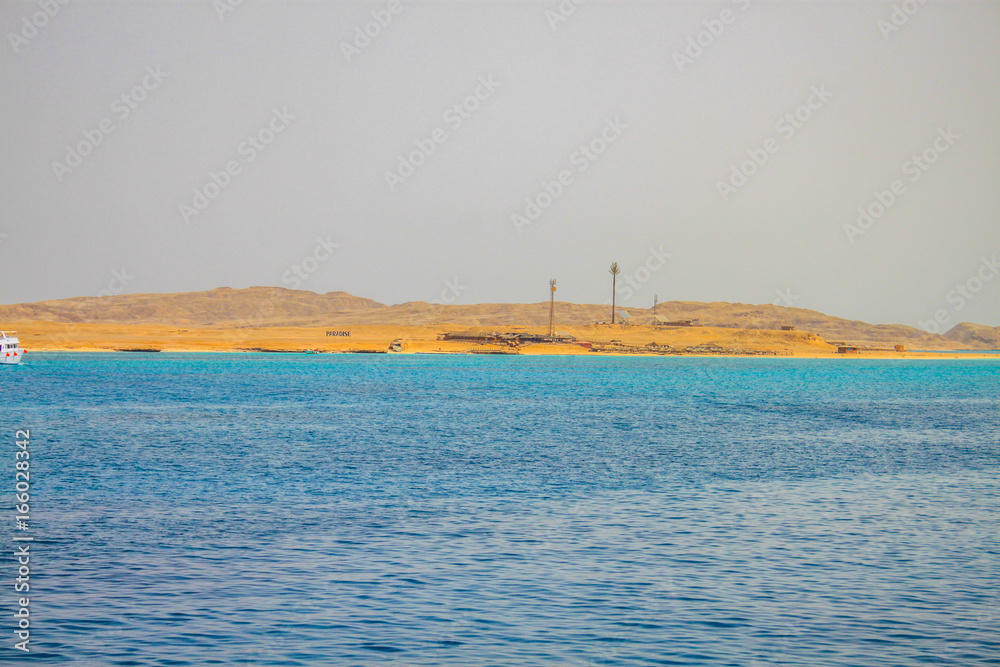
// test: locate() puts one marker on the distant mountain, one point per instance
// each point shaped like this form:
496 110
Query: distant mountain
277 306
975 336
254 305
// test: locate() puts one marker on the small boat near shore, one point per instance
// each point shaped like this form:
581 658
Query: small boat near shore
11 352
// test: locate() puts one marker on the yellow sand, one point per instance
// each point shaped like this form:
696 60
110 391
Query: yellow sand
52 336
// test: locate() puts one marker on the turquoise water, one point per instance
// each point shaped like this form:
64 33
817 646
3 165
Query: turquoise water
193 509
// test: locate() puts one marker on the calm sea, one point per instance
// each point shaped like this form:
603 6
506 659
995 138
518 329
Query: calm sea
267 509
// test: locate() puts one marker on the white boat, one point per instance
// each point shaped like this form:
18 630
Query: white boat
10 348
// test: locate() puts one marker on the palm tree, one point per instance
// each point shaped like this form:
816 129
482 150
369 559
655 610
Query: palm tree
614 271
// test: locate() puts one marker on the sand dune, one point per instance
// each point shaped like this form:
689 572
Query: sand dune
975 336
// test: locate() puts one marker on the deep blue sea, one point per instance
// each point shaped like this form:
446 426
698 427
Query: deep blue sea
272 509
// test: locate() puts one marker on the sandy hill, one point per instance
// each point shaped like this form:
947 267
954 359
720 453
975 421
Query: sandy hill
277 306
975 336
223 305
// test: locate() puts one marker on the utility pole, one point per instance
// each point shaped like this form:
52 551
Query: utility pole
614 271
552 303
654 305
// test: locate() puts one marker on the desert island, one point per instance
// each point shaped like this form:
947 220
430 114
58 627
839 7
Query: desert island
274 319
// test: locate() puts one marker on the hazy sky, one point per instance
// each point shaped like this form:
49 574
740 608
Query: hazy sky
623 122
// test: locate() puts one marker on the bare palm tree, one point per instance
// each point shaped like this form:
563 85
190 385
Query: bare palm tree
614 271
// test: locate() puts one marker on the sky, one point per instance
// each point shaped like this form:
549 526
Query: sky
838 156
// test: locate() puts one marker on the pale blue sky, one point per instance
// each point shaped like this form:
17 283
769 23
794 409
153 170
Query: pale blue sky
342 123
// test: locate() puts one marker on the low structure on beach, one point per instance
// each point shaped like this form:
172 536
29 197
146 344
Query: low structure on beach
660 321
512 339
472 336
843 348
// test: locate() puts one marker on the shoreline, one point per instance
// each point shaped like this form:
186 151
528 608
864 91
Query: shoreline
985 355
456 339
